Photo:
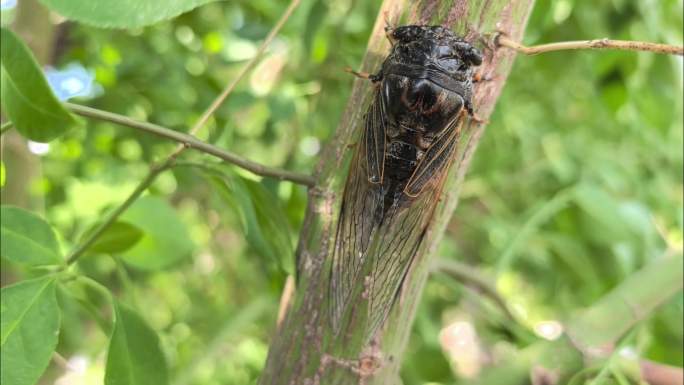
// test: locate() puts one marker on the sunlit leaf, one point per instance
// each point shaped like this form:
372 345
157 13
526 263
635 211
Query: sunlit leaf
30 326
314 20
122 13
118 237
26 97
26 238
134 356
166 240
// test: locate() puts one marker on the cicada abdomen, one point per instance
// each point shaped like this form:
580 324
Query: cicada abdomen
422 96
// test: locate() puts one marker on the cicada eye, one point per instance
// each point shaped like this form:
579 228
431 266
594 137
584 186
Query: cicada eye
474 56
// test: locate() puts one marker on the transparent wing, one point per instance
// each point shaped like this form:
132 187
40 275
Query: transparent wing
378 252
437 157
396 243
362 195
374 138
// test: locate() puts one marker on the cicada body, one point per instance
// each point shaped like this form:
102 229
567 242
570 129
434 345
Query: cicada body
422 96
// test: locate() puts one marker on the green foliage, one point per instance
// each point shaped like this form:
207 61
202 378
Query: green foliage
26 98
121 13
165 240
30 328
27 238
134 356
261 218
576 185
118 237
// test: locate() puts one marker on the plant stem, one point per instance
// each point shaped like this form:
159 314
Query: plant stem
5 127
114 215
469 276
192 142
245 69
623 45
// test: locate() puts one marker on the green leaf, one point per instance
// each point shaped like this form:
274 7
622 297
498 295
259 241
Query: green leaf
314 20
166 240
273 221
2 173
118 237
262 219
134 356
30 327
26 238
606 221
27 99
121 13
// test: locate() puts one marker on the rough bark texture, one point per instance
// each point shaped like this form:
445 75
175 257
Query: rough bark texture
304 349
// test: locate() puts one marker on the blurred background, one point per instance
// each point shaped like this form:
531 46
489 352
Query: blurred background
576 184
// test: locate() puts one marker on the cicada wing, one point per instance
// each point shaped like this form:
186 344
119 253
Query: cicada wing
362 195
374 138
397 241
391 254
437 157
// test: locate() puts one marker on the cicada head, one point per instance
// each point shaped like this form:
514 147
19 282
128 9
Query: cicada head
433 46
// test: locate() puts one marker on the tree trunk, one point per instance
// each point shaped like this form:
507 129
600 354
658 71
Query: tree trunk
305 350
32 23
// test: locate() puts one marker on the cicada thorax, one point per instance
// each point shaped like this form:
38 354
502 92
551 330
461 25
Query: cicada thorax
418 105
417 112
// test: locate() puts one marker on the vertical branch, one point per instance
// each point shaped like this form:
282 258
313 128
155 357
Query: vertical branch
305 350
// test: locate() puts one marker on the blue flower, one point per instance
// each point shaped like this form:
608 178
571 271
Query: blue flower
73 81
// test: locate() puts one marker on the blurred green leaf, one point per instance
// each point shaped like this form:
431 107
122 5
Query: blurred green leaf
134 356
262 218
314 20
118 237
273 221
30 326
604 212
166 240
26 238
121 13
26 97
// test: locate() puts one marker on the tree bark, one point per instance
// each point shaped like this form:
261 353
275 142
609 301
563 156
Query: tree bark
304 349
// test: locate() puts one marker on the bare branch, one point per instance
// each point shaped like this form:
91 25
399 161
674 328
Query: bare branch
193 142
502 40
468 276
245 69
659 374
5 127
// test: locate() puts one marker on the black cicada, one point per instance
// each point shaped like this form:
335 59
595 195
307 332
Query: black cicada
421 100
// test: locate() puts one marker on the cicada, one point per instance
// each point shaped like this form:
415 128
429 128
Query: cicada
421 100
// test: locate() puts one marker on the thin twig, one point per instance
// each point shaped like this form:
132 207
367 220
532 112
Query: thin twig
245 69
188 141
111 218
5 127
193 142
660 374
470 277
285 299
624 45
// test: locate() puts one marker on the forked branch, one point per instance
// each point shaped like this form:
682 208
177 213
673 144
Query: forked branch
185 142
